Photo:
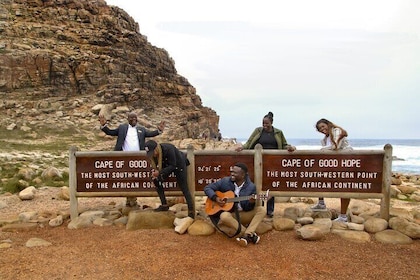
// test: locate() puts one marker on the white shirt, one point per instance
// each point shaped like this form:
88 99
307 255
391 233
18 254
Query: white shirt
131 142
237 190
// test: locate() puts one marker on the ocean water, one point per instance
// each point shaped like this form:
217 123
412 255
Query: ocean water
406 151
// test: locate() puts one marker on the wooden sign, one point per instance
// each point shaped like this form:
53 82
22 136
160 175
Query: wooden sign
361 173
117 174
211 168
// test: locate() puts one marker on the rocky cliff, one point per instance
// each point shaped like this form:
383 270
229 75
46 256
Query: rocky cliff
59 59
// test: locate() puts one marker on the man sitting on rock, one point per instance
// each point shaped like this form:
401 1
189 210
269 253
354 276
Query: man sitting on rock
248 213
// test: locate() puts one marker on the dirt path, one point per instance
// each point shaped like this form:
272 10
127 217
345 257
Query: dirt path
115 253
112 252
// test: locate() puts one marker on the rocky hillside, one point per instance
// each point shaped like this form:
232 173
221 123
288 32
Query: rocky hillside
62 61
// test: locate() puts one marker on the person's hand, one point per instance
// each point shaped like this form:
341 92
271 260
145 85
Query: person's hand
220 201
155 174
291 148
161 126
102 120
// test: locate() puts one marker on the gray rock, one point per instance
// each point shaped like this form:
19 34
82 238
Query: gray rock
324 224
354 226
28 193
280 223
406 227
36 242
64 193
80 222
390 236
19 227
122 221
201 228
93 214
374 225
415 196
27 216
292 213
102 222
357 219
310 232
3 204
57 221
305 220
51 173
351 235
182 224
139 219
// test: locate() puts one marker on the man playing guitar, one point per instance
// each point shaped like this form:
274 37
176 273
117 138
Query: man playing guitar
245 209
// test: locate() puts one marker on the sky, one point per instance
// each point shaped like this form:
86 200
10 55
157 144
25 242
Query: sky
355 63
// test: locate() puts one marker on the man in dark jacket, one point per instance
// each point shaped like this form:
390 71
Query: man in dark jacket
249 214
130 137
165 159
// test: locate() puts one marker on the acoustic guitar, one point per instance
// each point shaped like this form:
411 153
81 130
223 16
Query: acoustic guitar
212 207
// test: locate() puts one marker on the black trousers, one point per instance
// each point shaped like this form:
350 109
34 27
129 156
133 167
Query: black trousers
181 179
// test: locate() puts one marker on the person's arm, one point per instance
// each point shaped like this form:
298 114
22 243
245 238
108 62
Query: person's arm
210 191
248 144
104 126
284 145
335 135
170 156
153 133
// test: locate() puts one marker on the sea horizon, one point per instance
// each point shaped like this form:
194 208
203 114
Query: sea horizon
406 152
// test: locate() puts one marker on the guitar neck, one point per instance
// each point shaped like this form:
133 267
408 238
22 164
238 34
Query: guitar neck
239 198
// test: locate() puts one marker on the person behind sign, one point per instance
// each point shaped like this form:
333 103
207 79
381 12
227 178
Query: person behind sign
335 139
166 159
249 213
270 138
130 137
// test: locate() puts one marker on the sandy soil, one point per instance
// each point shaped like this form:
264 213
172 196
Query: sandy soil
112 252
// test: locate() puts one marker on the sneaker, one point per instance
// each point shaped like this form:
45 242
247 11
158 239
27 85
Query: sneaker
341 219
162 208
319 207
254 238
243 240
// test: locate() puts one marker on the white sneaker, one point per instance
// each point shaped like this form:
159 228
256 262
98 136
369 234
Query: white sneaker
319 207
341 219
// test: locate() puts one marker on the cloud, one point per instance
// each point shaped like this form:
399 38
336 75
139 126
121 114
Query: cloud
356 63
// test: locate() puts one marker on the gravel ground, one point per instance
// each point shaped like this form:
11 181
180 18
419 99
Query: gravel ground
112 252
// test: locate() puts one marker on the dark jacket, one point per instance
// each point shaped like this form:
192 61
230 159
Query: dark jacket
121 132
173 160
226 184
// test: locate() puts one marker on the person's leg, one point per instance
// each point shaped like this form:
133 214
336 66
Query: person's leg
344 205
161 194
181 178
228 219
270 207
253 219
343 210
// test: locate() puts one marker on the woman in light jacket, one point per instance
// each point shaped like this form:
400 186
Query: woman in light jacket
335 139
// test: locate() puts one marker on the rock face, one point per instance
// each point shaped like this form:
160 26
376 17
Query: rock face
58 59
